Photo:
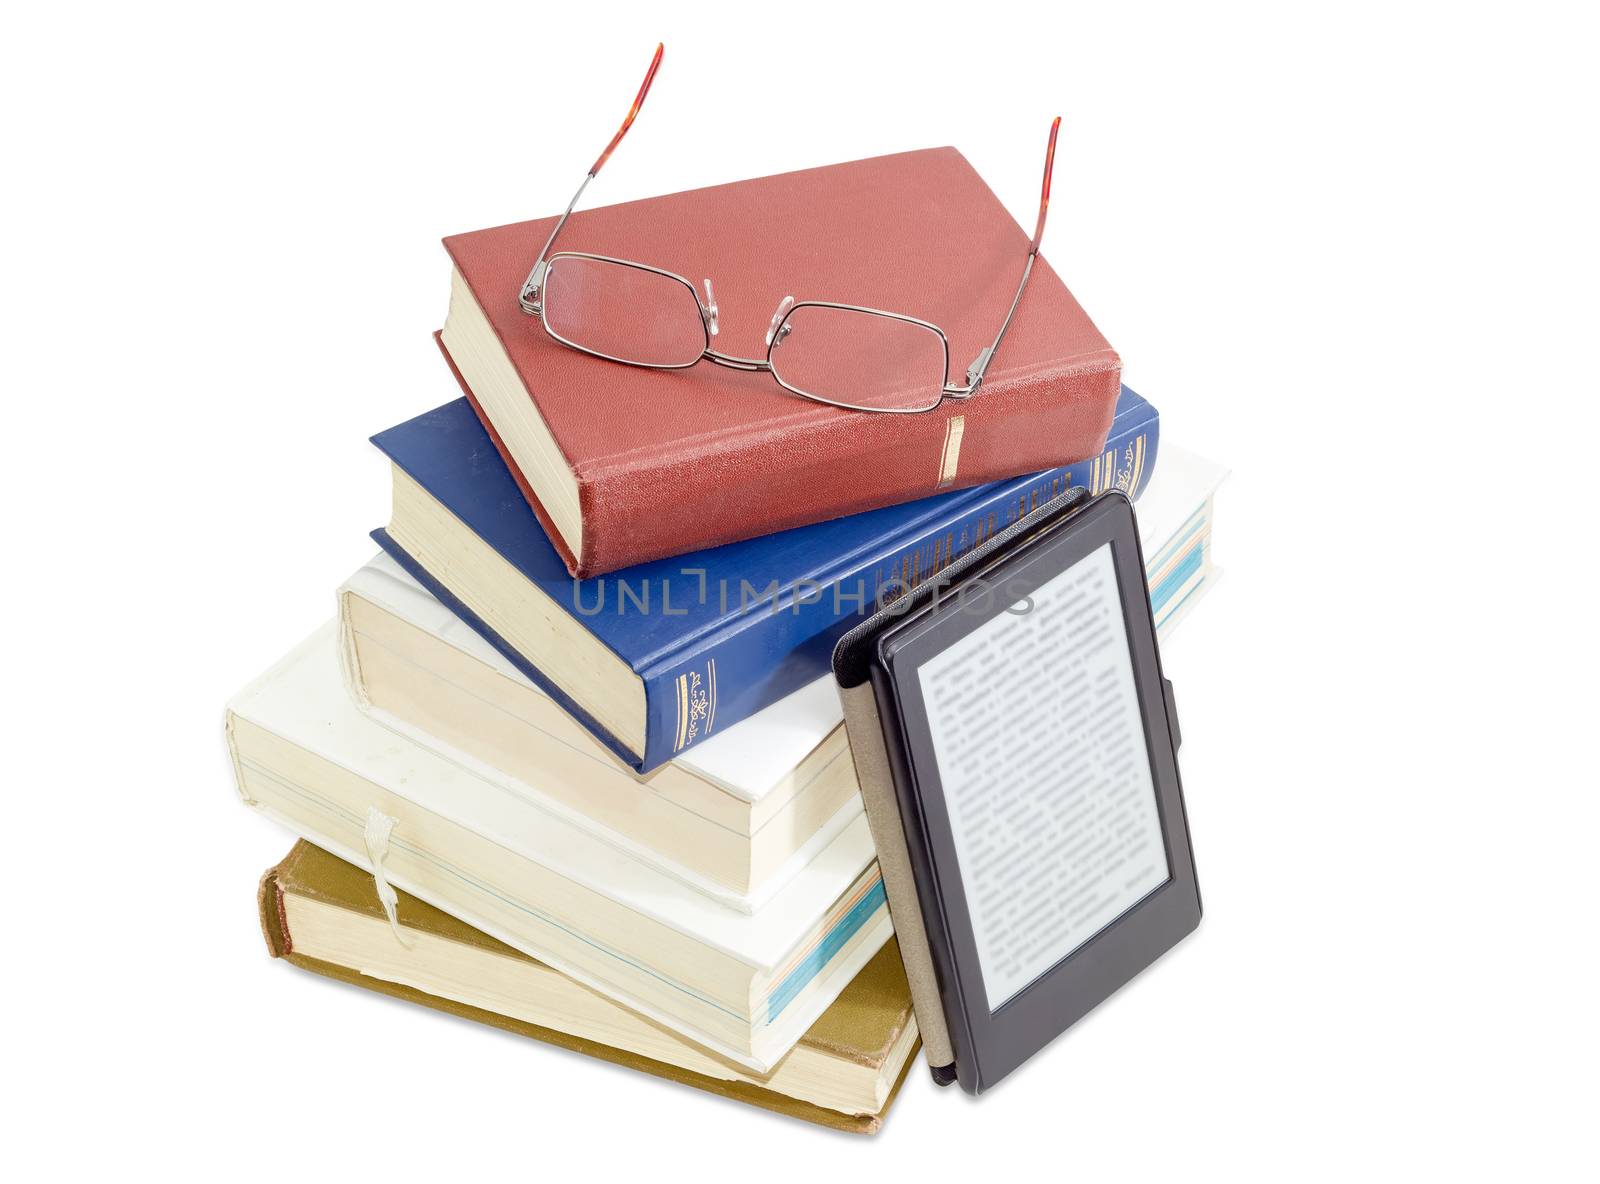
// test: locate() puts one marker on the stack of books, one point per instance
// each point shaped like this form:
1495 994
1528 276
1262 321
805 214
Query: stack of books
552 769
1175 516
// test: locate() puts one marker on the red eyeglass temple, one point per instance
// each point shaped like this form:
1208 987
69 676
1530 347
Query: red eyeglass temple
650 76
633 111
1044 197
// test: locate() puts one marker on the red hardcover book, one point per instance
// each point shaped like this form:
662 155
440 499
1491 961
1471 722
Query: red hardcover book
625 465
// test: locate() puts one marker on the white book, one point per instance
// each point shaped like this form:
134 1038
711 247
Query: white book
1175 515
736 817
746 986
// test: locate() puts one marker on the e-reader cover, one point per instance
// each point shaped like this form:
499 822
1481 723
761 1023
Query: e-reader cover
1016 746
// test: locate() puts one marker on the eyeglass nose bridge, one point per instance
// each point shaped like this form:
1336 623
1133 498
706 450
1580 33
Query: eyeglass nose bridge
776 332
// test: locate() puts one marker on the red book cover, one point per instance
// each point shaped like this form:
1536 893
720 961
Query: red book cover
665 462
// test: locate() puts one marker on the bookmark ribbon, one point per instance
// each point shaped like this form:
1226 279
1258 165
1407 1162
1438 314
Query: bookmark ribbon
376 835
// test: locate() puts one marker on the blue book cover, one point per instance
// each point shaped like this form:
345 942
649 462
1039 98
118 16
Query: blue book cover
717 635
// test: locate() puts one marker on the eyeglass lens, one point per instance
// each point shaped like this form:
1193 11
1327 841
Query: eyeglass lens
627 313
859 359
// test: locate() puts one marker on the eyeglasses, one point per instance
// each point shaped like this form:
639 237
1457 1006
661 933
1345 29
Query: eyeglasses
861 359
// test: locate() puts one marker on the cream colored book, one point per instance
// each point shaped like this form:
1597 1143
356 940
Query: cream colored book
321 914
736 817
746 986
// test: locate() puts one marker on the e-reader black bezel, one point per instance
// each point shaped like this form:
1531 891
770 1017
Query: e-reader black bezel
990 1044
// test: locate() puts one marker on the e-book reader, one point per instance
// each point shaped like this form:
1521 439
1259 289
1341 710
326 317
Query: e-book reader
1017 748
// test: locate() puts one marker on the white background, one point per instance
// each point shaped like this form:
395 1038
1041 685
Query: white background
1350 251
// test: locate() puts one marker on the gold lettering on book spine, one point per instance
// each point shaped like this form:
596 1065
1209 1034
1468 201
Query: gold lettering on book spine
1136 464
1109 471
697 705
920 564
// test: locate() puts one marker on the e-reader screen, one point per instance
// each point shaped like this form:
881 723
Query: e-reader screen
1041 749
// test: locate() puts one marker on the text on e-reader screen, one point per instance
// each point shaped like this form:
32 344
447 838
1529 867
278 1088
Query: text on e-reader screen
1041 752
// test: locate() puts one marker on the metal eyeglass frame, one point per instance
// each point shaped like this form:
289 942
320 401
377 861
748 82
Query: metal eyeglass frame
531 295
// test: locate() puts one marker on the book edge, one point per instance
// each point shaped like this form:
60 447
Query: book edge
638 762
574 567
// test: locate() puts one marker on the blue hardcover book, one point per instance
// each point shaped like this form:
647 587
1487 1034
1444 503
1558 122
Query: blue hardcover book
655 658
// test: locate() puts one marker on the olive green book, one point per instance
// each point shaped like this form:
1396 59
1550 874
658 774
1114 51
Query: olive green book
323 915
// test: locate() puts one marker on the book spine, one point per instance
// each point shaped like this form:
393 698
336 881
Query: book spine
822 467
782 635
